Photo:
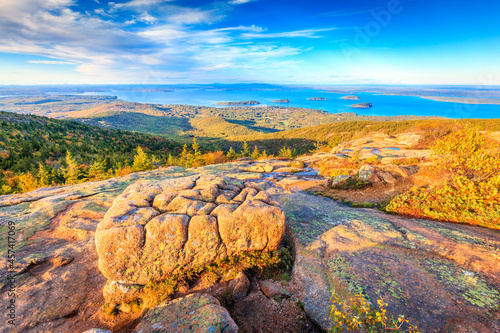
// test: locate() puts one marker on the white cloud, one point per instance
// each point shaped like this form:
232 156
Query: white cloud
104 50
51 62
191 16
239 2
309 33
138 3
147 18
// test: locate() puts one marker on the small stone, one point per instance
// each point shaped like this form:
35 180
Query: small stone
271 289
197 313
240 285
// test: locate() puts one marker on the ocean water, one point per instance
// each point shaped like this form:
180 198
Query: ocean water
383 105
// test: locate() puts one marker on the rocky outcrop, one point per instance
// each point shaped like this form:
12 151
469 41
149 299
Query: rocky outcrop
196 313
155 229
368 173
440 276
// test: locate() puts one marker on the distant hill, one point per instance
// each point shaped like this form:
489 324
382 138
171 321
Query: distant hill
140 122
220 128
305 139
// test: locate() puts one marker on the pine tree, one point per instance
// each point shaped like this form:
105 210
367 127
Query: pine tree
285 153
170 160
264 154
97 171
44 175
245 152
141 161
196 148
72 170
195 158
231 154
255 153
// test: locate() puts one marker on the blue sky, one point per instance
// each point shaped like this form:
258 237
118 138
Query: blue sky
227 41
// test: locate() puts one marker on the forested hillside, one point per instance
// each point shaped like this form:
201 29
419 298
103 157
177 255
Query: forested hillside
34 145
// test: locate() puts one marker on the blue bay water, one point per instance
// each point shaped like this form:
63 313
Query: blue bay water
383 105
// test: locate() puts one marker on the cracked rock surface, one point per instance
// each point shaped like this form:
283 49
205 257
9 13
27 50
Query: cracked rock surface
155 229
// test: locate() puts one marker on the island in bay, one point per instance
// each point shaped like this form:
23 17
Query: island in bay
239 103
362 106
351 97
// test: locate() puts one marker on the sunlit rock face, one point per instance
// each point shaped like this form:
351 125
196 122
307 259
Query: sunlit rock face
158 228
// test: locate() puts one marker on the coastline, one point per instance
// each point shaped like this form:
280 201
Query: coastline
464 100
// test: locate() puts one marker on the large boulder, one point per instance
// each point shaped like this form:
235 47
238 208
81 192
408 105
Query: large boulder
156 229
369 174
196 313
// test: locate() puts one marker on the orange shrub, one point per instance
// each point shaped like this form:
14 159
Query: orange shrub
469 165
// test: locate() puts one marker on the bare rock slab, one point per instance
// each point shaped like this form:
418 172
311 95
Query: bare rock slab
443 277
196 313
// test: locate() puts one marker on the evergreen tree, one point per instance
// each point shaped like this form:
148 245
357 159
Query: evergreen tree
141 161
170 160
285 153
245 152
255 153
97 171
72 170
44 175
231 154
185 155
196 148
264 154
195 158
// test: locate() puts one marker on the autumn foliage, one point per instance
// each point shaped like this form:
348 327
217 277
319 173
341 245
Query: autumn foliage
469 164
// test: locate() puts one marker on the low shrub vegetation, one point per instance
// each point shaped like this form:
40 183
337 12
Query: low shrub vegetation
277 265
357 315
469 164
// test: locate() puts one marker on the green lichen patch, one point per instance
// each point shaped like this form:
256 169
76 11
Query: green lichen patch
470 285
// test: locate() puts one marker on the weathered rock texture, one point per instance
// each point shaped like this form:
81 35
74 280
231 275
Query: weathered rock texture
197 313
155 229
443 277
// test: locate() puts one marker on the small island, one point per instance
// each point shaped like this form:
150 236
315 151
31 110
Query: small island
362 106
317 99
282 101
351 97
238 103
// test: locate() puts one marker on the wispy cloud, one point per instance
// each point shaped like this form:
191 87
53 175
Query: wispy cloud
51 62
239 2
309 33
138 3
171 42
